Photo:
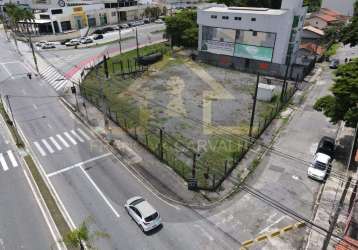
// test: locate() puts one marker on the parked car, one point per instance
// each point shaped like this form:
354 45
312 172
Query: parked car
99 31
39 44
98 37
73 42
107 29
159 21
132 24
140 22
86 40
124 26
326 146
319 167
334 63
143 213
65 41
48 46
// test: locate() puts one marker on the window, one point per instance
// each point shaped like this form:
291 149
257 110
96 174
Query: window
214 16
253 19
44 16
225 17
113 13
56 11
254 33
107 5
238 18
136 211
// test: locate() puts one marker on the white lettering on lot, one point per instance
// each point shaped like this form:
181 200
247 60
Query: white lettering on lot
55 143
49 148
70 138
77 136
3 163
63 141
12 158
100 193
84 134
39 148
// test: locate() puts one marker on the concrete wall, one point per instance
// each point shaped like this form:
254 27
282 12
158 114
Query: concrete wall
345 7
266 23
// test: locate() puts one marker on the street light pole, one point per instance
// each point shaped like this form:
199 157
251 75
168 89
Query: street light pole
119 28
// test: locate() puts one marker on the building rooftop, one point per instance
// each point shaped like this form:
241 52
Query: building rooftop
245 10
314 30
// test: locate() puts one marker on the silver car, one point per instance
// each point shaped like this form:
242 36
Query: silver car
143 213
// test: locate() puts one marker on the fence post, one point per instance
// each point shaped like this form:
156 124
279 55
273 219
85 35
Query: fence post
213 181
225 167
161 143
125 123
146 139
193 170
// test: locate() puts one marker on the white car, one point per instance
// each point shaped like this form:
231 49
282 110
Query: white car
86 40
143 213
48 46
73 42
319 167
39 44
159 21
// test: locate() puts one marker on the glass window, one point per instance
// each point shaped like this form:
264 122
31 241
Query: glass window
137 202
214 16
219 34
253 19
151 217
238 18
225 17
256 38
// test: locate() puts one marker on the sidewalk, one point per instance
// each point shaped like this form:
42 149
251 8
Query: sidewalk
327 203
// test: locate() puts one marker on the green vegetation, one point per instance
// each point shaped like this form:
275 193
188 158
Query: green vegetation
152 12
51 204
77 237
332 50
182 29
350 31
342 105
10 125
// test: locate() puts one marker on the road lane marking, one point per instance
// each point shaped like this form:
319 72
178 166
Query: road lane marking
63 141
3 163
39 148
12 158
77 136
55 143
7 71
49 148
78 164
70 138
100 193
34 105
205 233
84 134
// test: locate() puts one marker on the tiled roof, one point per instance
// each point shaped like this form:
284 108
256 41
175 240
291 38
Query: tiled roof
314 30
312 47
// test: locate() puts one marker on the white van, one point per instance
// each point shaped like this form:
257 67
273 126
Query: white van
319 167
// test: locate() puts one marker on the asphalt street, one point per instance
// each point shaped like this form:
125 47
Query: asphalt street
91 182
23 226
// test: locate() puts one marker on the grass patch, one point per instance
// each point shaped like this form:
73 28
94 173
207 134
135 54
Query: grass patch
10 125
56 214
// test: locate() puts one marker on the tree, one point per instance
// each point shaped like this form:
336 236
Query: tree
313 5
343 104
152 12
350 31
80 236
182 29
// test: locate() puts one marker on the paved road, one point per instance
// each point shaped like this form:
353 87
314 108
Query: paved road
23 225
93 183
286 181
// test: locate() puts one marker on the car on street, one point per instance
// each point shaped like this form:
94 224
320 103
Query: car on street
326 146
124 26
48 46
39 44
334 64
132 24
63 42
107 29
86 40
73 42
319 167
146 217
98 37
159 21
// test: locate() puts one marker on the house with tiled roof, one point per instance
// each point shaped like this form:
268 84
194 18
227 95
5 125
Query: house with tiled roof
325 17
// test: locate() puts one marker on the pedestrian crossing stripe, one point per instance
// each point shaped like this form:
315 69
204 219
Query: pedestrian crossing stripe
56 143
53 77
11 159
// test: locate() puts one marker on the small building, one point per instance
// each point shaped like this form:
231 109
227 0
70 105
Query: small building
251 39
325 17
311 33
344 7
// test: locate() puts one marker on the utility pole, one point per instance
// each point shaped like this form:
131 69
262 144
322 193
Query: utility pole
335 216
136 38
12 116
32 49
119 28
254 105
283 90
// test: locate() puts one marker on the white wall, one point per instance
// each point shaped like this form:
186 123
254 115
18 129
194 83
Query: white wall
345 7
265 23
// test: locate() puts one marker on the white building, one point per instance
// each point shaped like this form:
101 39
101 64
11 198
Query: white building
344 7
258 34
57 16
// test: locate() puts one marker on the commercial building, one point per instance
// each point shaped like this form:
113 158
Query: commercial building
344 7
57 16
251 38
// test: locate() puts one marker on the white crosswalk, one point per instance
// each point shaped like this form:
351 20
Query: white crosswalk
52 144
52 76
7 160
